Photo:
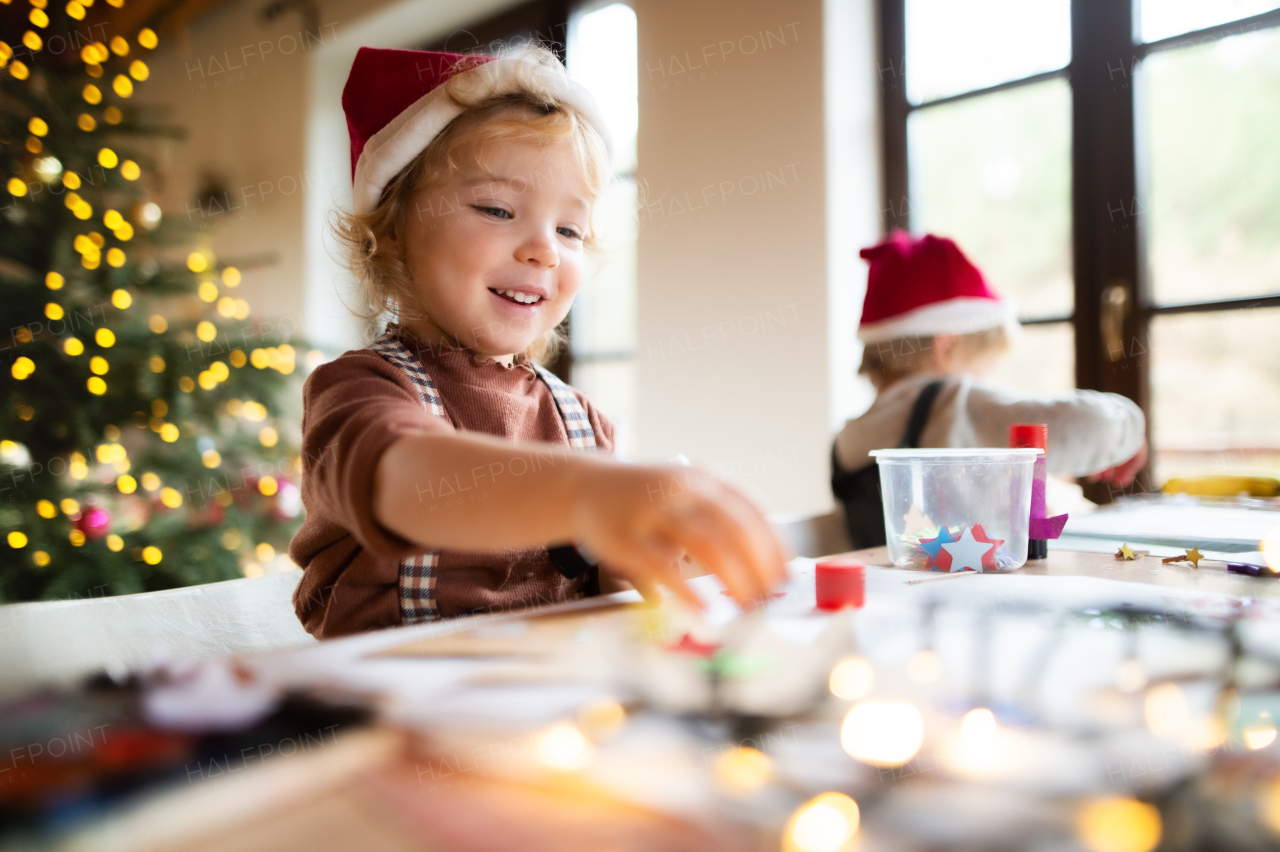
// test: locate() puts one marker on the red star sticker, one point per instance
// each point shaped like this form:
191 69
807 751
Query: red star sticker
988 558
689 645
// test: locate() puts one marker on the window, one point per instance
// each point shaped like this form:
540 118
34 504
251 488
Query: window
989 159
602 354
1110 165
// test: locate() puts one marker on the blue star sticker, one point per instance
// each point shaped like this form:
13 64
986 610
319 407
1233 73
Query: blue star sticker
934 545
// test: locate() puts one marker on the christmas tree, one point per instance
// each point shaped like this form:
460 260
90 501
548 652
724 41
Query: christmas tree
144 419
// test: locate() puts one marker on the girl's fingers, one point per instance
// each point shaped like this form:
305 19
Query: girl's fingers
651 560
756 544
714 540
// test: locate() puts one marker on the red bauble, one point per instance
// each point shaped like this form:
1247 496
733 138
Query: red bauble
94 522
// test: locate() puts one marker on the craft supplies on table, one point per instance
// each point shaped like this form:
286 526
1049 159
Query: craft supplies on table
957 509
1043 527
986 714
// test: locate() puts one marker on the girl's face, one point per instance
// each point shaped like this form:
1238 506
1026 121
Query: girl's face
496 255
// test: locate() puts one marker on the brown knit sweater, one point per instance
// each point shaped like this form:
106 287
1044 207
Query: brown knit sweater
355 407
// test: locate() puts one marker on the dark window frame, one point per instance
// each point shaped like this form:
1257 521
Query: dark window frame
1108 257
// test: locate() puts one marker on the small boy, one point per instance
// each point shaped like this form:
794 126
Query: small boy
931 326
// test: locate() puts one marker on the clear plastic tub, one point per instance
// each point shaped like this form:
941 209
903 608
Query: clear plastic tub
952 509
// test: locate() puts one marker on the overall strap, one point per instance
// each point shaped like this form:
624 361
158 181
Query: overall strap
417 573
395 352
576 422
920 414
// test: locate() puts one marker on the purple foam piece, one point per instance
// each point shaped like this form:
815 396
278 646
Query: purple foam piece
1045 528
1042 527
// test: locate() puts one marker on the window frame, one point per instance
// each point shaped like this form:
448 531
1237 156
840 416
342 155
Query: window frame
1107 196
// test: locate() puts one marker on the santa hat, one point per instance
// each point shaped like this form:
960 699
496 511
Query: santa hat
395 105
925 287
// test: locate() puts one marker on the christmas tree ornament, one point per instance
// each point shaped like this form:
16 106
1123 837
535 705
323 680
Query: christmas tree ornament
94 522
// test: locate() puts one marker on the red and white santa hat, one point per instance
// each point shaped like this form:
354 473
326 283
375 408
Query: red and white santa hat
395 106
925 287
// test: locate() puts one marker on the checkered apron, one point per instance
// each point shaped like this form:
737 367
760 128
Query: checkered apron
417 578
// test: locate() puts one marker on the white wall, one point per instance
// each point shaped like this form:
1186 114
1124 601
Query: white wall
745 292
747 304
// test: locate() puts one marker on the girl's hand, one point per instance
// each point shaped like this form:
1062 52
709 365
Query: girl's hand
640 520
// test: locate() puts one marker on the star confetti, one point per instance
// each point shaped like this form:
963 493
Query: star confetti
1193 556
988 558
939 559
968 552
689 645
1125 552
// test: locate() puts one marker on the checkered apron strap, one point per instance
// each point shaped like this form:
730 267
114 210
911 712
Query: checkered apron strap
390 348
576 422
417 573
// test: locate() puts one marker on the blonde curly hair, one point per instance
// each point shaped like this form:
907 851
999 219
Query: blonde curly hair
533 113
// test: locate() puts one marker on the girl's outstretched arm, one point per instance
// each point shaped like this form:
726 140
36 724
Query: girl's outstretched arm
464 491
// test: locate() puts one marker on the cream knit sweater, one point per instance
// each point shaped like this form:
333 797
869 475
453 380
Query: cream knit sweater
1089 431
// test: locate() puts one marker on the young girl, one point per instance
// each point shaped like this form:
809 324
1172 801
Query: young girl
930 326
443 471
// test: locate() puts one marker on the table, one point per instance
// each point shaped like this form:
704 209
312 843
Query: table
433 775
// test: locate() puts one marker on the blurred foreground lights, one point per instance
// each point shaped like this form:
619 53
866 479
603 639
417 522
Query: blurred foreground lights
742 771
1261 733
1118 825
1167 712
924 666
981 748
851 678
1268 805
563 747
601 719
825 823
882 733
1130 676
1271 549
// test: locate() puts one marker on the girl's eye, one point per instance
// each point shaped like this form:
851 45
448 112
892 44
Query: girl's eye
569 232
495 212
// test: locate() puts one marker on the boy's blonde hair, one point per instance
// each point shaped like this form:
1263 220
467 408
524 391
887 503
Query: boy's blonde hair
887 362
532 113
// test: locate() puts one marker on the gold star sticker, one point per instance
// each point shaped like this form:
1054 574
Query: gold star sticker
1125 552
1194 556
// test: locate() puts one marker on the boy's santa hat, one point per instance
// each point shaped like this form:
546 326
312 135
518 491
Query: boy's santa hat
925 287
395 106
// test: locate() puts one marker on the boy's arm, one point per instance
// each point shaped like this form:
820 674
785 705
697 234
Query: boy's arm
1089 431
465 491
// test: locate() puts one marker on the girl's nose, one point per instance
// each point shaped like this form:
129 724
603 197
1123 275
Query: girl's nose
539 250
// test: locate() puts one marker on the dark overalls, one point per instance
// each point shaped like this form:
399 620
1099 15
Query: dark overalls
859 490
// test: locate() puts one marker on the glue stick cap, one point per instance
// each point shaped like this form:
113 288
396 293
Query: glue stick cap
1027 436
839 582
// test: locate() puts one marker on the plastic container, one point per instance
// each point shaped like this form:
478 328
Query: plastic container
952 509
